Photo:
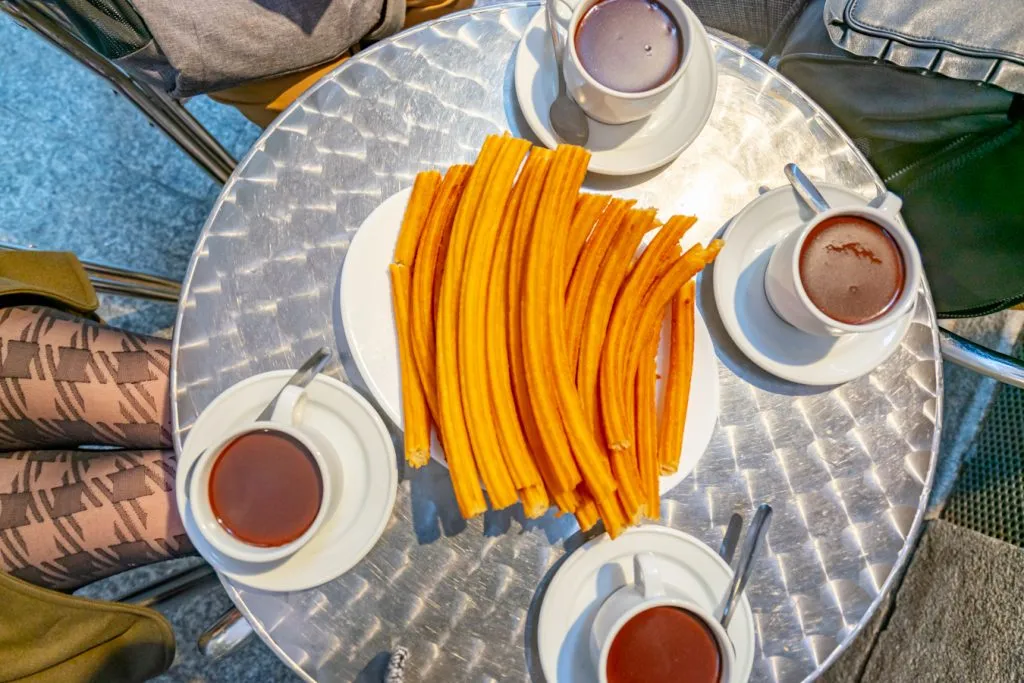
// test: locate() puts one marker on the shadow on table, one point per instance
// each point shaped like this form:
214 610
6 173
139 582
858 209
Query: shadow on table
435 511
610 575
730 354
375 670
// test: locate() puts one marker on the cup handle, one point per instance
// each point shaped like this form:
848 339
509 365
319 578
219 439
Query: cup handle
288 409
888 203
647 577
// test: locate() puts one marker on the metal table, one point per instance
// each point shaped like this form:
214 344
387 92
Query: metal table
847 470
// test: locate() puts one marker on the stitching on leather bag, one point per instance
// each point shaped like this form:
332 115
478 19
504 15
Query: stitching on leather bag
887 33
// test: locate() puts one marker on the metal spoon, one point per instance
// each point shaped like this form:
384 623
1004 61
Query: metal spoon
302 377
731 538
810 194
568 120
758 528
306 373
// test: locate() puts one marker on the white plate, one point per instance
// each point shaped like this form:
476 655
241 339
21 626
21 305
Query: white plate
690 570
368 319
632 147
763 336
362 507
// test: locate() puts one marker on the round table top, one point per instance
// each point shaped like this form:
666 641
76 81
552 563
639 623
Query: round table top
847 469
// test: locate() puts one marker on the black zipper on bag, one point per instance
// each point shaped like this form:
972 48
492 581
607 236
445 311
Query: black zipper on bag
926 160
953 161
949 157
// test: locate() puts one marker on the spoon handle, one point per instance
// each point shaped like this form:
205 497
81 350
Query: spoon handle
556 42
758 528
806 189
731 539
302 377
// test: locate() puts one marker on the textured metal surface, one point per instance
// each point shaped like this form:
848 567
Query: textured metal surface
847 470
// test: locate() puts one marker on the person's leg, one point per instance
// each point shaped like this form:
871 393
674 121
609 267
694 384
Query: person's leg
262 101
67 382
68 518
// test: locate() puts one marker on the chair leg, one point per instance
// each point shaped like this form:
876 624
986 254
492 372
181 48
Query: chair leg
226 634
165 113
172 586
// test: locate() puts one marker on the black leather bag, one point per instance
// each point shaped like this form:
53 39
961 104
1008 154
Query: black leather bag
953 149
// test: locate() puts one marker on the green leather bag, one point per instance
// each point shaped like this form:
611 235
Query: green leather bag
49 637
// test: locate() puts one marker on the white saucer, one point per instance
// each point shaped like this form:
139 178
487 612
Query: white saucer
629 148
689 569
362 506
763 336
368 318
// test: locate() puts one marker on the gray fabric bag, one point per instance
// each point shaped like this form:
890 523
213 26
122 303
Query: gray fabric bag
972 40
188 47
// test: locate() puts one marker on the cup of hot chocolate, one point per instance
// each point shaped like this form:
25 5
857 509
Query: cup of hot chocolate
623 57
265 488
643 633
846 271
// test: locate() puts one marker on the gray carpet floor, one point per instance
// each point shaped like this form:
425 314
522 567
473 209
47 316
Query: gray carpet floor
957 616
82 170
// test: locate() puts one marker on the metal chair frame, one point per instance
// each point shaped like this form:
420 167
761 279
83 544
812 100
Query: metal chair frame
166 113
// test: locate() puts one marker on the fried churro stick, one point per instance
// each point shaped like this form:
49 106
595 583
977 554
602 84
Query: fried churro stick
612 514
589 208
559 482
547 362
586 514
652 308
627 474
422 198
557 468
614 375
415 418
672 425
584 277
511 437
668 258
451 417
647 428
472 326
595 326
567 501
535 501
538 289
426 267
649 322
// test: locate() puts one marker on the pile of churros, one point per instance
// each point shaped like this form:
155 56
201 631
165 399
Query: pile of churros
528 330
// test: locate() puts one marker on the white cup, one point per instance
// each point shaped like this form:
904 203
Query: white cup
606 105
785 289
648 592
286 419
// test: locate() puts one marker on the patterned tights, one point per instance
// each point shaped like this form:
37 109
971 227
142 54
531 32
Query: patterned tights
72 510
